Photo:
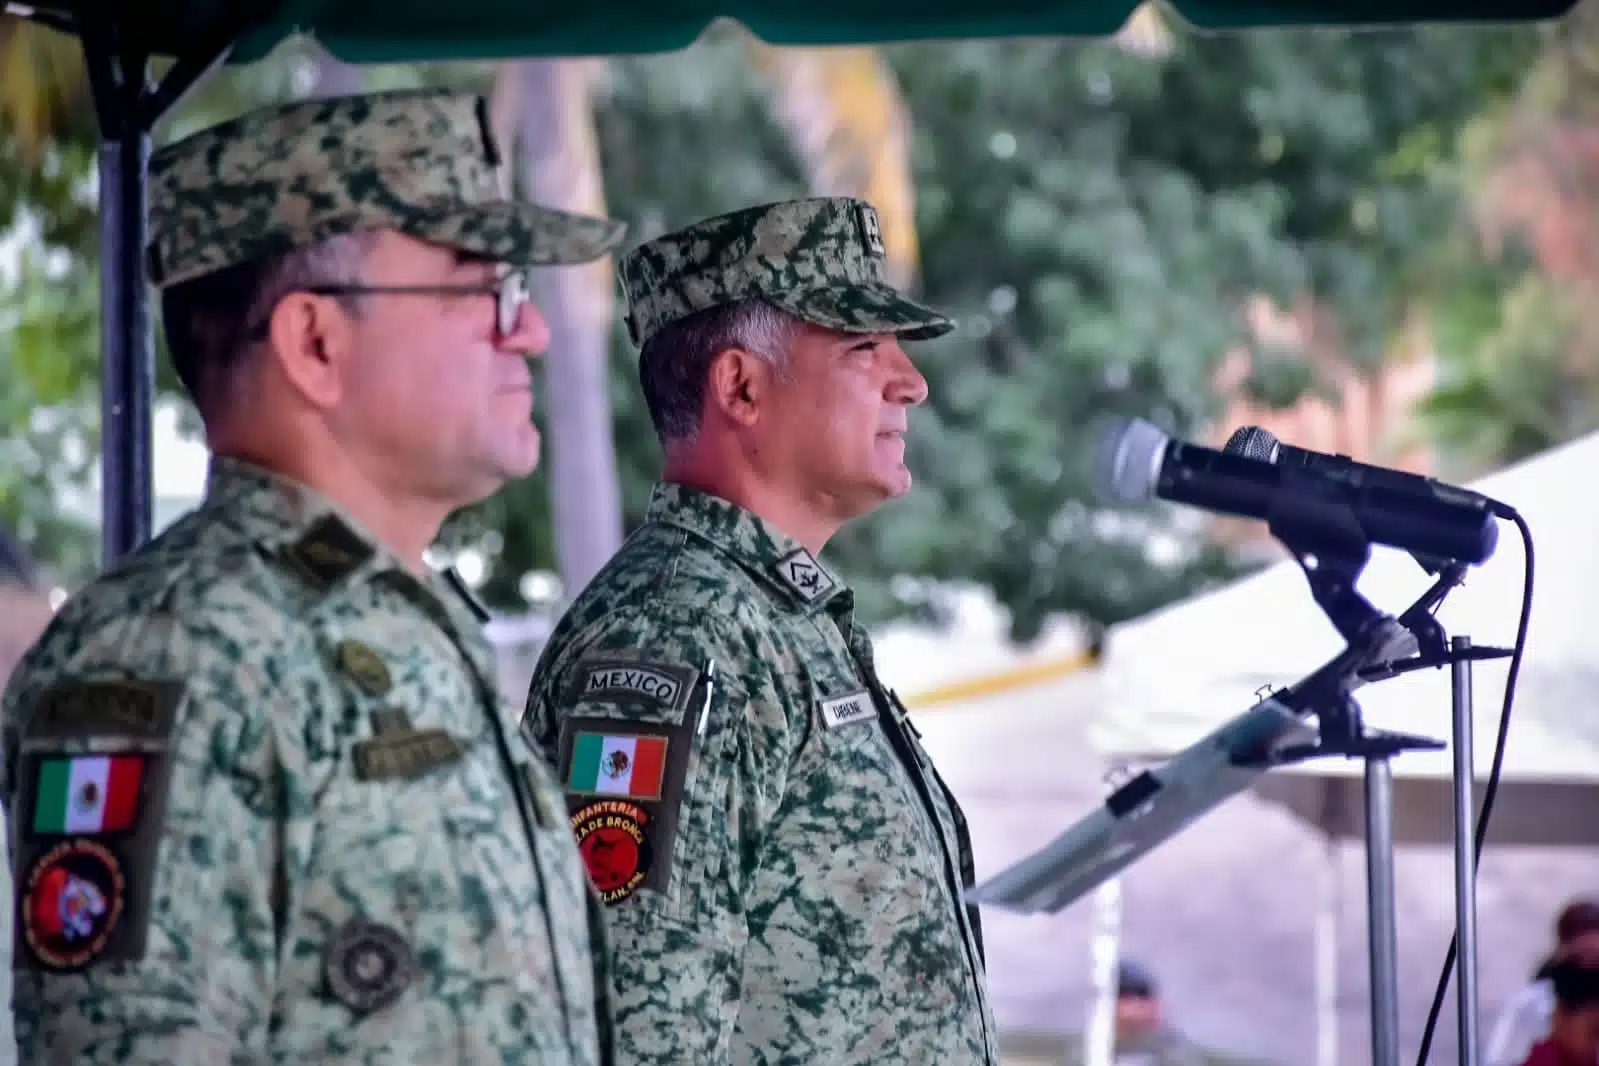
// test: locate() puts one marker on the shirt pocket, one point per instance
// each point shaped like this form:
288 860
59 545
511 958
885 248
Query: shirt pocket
418 825
862 819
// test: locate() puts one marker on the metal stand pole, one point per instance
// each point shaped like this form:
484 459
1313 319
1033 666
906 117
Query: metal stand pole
1343 733
1465 872
1383 935
1327 695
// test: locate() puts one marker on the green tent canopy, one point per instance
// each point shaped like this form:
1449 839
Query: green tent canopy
427 30
384 31
120 37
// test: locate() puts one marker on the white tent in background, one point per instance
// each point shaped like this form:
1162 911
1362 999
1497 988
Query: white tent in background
1173 676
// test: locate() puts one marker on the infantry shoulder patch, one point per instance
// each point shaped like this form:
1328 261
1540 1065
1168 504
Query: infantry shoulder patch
615 840
73 898
667 685
624 783
92 775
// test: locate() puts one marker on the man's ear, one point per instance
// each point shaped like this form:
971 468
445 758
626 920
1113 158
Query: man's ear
312 340
739 386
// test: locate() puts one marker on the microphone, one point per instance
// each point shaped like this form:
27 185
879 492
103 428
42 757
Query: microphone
1252 442
1258 477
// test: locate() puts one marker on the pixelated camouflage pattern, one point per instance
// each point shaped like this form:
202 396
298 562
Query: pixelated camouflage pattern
24 613
421 161
271 843
820 259
812 911
8 1033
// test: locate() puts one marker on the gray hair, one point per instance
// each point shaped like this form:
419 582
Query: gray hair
214 322
335 261
674 365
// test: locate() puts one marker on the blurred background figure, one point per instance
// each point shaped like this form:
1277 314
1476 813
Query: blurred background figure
1573 1037
15 564
24 606
1526 1018
1145 1036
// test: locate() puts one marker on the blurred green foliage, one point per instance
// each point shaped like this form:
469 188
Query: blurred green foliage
1095 219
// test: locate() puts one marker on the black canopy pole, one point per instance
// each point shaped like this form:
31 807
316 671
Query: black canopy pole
128 106
127 384
117 74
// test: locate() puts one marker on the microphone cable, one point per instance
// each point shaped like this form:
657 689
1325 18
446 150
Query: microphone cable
1492 787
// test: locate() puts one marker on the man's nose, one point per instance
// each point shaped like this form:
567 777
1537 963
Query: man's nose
530 334
907 385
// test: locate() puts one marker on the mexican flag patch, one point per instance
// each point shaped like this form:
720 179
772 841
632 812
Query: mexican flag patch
627 766
87 794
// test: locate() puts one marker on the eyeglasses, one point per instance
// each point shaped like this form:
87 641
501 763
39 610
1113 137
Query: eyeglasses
510 291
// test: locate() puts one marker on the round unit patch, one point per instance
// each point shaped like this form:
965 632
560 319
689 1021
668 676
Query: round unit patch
72 901
611 836
368 965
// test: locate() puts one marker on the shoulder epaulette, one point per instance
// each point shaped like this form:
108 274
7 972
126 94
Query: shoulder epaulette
327 552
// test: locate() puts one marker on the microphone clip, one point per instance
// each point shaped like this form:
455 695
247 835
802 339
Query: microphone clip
1326 540
1377 646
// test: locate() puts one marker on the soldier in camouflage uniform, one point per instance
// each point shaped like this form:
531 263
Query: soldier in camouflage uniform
24 611
1143 1034
783 866
267 804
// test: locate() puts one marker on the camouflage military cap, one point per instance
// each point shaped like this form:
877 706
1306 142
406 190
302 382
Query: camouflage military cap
421 161
818 259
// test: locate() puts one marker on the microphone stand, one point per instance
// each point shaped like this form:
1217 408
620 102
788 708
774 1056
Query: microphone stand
1332 549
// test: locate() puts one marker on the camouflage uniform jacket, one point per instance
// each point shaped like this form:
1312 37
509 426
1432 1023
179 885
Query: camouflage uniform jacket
8 1038
781 862
268 808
